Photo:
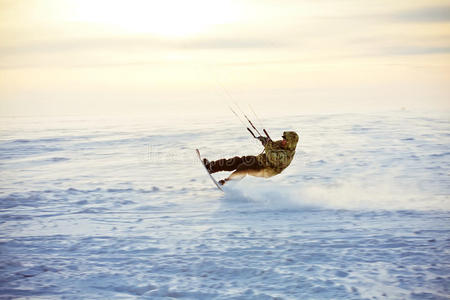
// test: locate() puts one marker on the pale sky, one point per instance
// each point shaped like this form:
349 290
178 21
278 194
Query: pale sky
157 57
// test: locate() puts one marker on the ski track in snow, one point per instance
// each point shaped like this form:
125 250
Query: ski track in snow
116 209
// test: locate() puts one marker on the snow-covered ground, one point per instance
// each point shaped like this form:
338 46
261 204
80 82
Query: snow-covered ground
114 208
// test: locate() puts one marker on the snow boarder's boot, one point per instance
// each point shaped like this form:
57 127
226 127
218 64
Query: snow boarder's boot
207 165
222 181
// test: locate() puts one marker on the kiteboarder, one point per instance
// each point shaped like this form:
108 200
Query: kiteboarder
277 155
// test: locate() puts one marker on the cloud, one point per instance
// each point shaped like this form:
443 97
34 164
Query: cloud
128 46
70 64
230 43
52 46
415 50
144 43
424 14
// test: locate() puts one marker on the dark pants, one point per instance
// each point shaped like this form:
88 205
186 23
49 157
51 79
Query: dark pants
237 163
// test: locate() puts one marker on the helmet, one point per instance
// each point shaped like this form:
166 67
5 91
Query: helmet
292 139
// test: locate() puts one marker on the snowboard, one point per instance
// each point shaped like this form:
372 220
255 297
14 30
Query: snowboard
210 176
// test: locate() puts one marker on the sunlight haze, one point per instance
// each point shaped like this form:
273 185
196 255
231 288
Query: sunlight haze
170 57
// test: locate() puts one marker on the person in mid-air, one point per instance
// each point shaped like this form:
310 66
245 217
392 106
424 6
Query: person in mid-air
275 158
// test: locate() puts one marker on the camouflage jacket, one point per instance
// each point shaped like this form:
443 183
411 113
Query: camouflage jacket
277 157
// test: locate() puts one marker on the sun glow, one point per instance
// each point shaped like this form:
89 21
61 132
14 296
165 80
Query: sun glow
168 18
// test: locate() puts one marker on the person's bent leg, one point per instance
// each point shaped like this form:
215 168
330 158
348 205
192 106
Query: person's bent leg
236 175
225 164
249 165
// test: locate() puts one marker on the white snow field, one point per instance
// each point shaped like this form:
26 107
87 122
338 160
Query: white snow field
119 208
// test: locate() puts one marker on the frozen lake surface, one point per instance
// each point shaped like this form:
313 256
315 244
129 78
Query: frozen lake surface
121 209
